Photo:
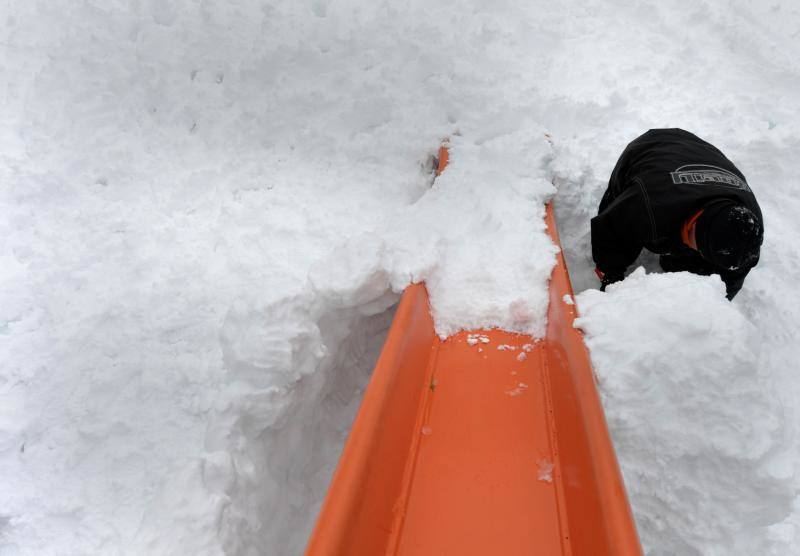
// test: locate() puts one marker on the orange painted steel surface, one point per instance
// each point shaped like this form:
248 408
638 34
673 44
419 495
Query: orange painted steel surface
485 443
362 503
443 158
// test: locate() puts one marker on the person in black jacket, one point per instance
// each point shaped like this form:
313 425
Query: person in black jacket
680 197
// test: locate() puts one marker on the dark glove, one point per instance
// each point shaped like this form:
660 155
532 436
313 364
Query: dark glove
607 278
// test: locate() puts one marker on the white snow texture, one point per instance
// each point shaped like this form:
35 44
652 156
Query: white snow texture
209 209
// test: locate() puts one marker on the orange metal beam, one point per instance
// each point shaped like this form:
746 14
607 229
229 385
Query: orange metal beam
485 443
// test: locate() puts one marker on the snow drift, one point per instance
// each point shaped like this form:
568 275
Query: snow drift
692 414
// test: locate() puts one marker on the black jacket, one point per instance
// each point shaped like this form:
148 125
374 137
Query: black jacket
661 179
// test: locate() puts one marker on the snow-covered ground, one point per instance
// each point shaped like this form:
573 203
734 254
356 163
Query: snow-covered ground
208 210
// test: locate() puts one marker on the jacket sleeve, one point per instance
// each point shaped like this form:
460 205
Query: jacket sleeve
735 280
620 231
733 283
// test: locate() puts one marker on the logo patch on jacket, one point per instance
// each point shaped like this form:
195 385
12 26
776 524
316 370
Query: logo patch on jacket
704 173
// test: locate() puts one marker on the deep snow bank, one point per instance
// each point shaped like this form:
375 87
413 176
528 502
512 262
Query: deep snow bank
693 416
295 378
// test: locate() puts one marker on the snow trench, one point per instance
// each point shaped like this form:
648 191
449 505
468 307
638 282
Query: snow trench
295 371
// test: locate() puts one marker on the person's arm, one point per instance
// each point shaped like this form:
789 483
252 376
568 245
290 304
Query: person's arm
735 280
618 234
733 284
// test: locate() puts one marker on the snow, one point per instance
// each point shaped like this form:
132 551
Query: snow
208 210
693 413
475 339
488 264
545 470
518 390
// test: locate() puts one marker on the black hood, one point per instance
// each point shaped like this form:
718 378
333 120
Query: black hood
728 234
